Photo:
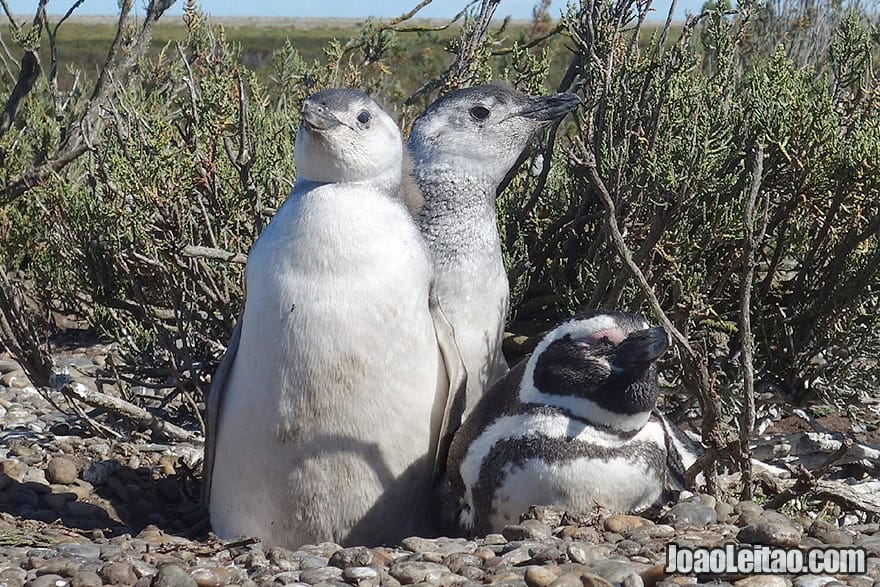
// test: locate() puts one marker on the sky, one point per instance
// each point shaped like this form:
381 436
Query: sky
331 8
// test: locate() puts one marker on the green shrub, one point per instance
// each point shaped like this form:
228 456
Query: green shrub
191 148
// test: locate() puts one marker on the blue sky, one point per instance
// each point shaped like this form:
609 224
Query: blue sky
330 8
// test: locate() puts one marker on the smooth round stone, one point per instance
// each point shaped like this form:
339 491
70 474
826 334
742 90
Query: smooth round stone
615 571
772 533
13 576
581 534
623 524
518 555
356 574
527 530
457 560
540 576
826 532
312 576
691 512
48 581
118 573
472 573
357 556
596 581
60 565
86 579
173 576
493 539
763 581
409 572
322 549
550 554
61 470
211 576
567 580
812 581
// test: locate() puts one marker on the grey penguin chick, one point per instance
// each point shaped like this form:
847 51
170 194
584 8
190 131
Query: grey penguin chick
324 416
462 147
571 426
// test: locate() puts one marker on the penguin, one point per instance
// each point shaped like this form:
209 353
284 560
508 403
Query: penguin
462 148
573 425
325 415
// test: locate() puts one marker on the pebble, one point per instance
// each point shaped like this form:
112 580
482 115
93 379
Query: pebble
48 581
537 576
357 574
527 530
763 581
320 575
130 483
410 572
772 532
173 576
624 524
86 579
61 470
118 573
694 513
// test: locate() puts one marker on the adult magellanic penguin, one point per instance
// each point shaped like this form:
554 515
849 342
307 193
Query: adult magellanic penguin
571 426
324 416
462 147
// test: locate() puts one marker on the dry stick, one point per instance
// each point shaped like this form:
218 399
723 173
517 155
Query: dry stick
694 368
213 253
809 480
747 416
438 28
533 43
129 411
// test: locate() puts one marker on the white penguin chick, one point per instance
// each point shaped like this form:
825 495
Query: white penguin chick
462 147
324 416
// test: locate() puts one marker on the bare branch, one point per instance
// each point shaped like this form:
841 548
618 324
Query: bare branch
129 411
212 253
747 415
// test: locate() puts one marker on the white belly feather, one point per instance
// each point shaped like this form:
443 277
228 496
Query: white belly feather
332 397
579 484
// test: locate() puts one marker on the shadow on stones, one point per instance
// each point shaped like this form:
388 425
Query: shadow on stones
126 502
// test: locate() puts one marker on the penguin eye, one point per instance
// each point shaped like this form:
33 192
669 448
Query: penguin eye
364 117
480 112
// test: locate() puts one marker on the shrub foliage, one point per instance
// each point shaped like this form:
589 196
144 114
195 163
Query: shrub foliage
740 171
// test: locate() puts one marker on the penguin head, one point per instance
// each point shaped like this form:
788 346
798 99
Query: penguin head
601 366
345 136
484 128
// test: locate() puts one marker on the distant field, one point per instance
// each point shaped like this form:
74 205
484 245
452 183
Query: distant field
83 41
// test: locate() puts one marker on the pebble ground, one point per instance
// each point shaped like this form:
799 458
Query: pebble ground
83 510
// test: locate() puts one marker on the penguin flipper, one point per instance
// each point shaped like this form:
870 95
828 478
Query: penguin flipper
681 452
456 392
213 405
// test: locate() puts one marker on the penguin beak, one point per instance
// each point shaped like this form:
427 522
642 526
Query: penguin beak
318 117
642 347
549 108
